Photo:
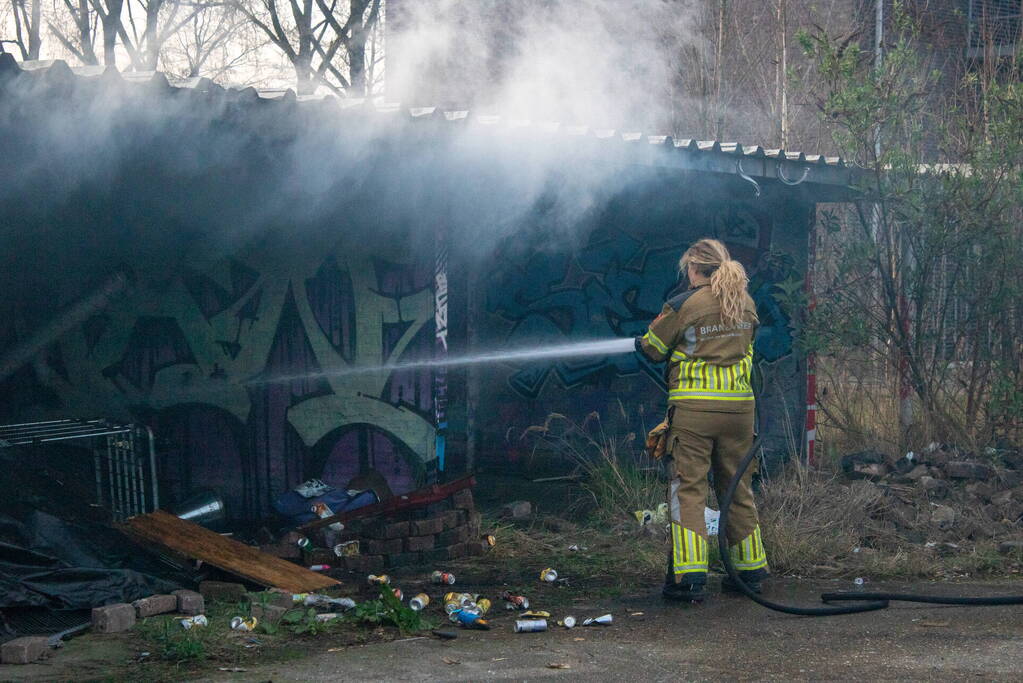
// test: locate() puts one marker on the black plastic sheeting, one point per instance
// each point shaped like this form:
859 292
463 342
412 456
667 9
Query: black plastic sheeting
49 562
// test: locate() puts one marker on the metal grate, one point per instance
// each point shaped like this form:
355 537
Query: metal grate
124 459
42 621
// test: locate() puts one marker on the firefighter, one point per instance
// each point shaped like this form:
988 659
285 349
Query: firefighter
706 336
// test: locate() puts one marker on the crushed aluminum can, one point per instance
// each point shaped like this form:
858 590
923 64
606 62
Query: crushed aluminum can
452 606
519 602
378 580
317 600
304 543
443 577
419 602
567 622
490 540
530 625
322 510
549 575
483 605
327 616
448 597
347 549
398 594
602 620
319 567
470 619
198 620
573 548
243 624
536 614
299 597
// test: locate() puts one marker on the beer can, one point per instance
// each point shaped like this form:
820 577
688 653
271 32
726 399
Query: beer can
548 575
443 577
327 616
519 602
530 625
419 602
602 620
490 540
192 622
347 549
304 543
448 597
243 624
300 597
319 567
567 622
483 604
398 594
378 580
451 606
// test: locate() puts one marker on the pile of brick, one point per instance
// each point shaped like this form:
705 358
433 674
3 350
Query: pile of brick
941 494
113 618
446 530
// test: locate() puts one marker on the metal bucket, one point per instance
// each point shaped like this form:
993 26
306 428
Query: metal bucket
204 507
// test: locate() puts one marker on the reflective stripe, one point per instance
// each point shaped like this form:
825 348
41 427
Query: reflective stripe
698 379
715 395
655 342
749 554
690 550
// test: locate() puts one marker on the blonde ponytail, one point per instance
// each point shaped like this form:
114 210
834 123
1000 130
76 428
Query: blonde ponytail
728 278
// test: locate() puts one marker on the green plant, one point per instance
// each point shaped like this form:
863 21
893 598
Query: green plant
174 643
304 622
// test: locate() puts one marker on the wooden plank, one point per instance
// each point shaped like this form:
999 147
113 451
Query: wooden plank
423 496
192 540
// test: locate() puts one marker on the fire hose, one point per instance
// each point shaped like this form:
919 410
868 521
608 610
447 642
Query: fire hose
867 602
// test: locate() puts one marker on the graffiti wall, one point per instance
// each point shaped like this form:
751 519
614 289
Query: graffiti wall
226 366
613 283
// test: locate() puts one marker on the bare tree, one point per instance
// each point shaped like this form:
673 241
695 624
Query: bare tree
27 17
317 40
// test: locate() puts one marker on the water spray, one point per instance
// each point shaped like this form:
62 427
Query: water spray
602 347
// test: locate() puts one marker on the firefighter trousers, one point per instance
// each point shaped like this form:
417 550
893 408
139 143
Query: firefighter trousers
700 442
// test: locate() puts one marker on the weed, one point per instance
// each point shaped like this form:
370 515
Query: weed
389 609
616 479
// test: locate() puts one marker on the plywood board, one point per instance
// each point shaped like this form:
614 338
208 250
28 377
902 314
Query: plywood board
167 531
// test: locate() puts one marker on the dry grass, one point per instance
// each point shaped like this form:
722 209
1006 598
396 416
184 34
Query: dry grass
815 523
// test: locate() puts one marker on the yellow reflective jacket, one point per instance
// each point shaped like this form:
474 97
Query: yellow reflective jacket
709 363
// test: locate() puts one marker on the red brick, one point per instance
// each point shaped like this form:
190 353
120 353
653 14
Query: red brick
451 518
190 602
395 545
463 500
24 650
416 543
155 604
404 559
457 535
457 551
268 613
474 523
386 530
113 618
426 527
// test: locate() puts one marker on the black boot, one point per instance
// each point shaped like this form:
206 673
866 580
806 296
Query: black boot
752 580
682 592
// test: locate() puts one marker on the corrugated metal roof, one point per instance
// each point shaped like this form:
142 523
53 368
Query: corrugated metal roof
751 162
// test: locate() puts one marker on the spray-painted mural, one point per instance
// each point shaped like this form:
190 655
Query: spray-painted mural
192 355
614 284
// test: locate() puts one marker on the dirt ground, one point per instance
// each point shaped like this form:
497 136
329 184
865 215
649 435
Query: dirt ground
727 637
